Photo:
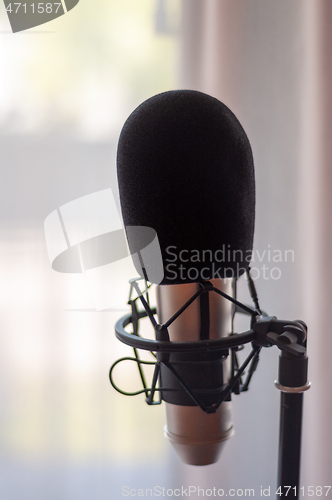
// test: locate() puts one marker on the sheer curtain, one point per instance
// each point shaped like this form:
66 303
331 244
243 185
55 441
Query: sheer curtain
270 62
65 92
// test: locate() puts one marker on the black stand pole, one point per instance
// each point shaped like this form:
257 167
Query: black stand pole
292 382
290 443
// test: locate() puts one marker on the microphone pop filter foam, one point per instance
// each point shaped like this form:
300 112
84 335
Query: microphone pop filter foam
186 175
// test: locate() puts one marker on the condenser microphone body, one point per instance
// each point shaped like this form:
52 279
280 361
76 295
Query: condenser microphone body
187 192
197 437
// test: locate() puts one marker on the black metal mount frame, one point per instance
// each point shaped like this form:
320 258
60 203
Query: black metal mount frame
164 347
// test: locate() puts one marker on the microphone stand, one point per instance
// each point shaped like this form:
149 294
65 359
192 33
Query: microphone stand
290 444
289 336
291 409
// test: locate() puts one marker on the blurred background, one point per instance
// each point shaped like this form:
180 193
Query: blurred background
66 89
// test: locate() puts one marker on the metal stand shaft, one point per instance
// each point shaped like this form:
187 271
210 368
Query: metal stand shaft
292 382
290 444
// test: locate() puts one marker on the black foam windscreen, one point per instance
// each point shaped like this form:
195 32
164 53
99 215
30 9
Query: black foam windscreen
185 171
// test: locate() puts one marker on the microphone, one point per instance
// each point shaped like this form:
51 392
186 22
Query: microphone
187 193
